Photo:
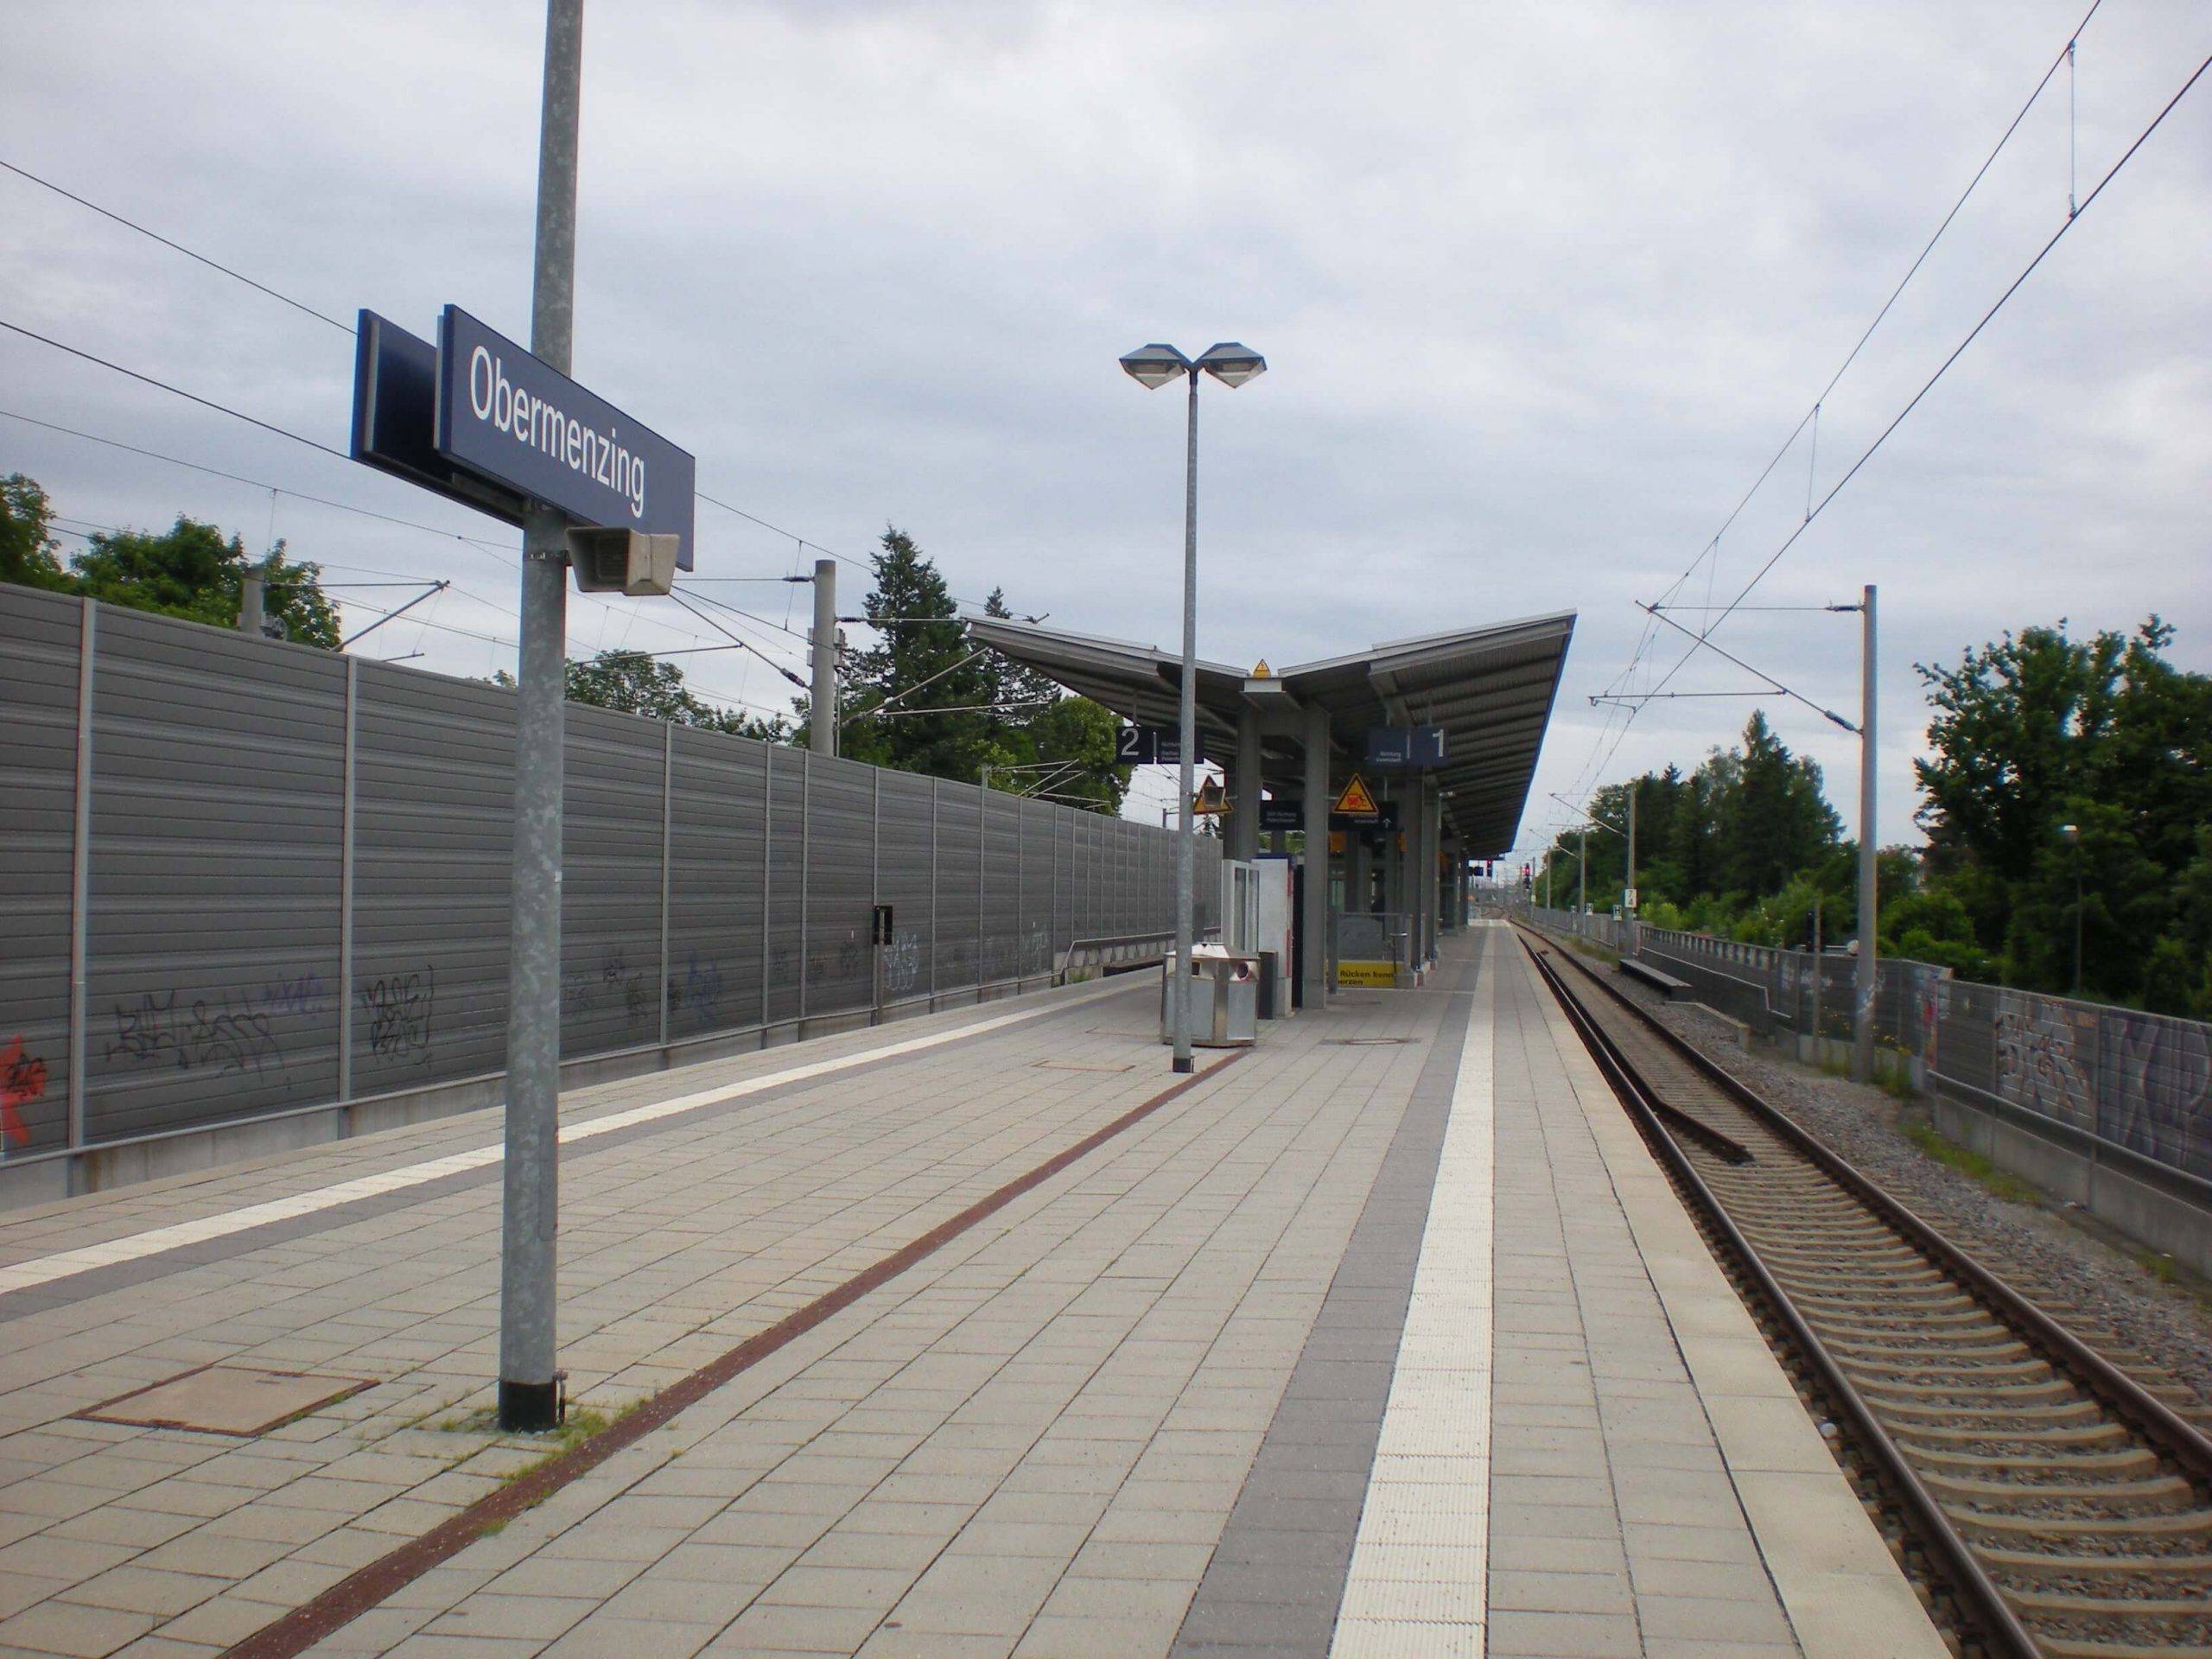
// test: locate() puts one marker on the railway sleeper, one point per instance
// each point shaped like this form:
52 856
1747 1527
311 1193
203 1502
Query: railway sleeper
1993 1398
2034 1564
1996 1344
2075 1410
1849 1317
1953 1371
1894 1267
2060 1647
1937 1440
2057 1601
2158 1495
1911 1304
2121 1636
2191 1526
2126 1459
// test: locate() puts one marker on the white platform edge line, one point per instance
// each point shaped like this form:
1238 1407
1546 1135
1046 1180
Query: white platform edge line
1449 1314
135 1247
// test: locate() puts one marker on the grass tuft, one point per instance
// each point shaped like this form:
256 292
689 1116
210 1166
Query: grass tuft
2001 1182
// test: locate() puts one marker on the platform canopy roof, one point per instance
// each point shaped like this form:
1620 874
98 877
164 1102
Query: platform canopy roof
1491 689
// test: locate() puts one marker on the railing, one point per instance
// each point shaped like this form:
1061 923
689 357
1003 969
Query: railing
2139 1085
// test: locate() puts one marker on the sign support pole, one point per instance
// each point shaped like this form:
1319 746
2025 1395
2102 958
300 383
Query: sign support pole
529 1386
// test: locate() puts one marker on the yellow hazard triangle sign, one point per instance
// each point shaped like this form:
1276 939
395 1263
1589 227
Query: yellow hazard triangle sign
1358 801
1211 800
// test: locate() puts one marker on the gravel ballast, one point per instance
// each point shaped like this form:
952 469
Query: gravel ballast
2044 1251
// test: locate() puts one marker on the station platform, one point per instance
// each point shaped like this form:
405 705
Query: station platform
979 1334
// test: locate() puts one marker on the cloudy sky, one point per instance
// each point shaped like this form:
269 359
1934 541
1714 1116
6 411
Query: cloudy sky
1542 290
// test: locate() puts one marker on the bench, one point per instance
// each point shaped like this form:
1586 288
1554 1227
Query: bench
1657 978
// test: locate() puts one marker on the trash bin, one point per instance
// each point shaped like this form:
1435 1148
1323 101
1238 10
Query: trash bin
1225 1000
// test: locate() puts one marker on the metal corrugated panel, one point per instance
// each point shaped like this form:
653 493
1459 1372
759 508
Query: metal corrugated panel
217 874
40 635
1001 885
610 882
839 966
1039 866
786 889
433 853
718 862
216 844
959 885
902 881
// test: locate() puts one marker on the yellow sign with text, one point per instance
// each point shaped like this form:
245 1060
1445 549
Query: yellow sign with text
1384 974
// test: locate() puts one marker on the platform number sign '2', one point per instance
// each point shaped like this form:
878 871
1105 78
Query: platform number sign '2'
1152 746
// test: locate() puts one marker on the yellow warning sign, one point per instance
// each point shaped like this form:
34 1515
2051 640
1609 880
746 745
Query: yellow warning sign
1262 671
1358 801
1384 974
1211 799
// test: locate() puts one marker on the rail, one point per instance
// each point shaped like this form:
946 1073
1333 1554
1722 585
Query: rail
1982 1603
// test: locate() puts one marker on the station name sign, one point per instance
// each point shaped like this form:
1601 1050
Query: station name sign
478 419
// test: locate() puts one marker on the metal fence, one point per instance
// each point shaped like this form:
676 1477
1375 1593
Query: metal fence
2139 1082
239 877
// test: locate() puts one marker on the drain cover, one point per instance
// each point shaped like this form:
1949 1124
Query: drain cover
226 1400
1076 1065
1366 1042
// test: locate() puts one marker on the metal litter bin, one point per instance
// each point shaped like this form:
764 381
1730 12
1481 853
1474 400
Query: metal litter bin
1225 1000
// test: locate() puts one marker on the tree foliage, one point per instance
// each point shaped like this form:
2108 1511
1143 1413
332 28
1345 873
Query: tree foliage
2029 737
2036 732
1744 845
28 554
188 570
634 682
926 698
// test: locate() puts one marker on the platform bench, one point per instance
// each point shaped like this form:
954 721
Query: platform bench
1657 978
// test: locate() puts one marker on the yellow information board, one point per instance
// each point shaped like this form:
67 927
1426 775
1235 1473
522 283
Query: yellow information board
1384 974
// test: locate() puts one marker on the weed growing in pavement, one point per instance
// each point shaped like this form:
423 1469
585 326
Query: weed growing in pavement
2001 1182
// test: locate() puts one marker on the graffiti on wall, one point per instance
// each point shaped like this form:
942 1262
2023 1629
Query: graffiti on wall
23 1080
2040 1059
222 1033
2154 1088
612 988
299 994
902 963
700 991
401 1008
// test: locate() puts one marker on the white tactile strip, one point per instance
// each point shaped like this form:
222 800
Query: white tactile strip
45 1269
1419 1568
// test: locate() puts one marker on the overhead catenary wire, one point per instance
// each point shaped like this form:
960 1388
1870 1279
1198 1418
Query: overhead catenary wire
347 329
2072 217
1943 368
1618 731
189 254
190 397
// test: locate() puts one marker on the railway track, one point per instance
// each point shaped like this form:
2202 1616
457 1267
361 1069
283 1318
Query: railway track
2056 1501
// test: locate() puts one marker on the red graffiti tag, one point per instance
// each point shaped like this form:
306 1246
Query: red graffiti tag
23 1080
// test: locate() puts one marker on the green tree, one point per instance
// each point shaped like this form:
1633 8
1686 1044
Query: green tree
634 682
924 673
1774 821
192 572
2036 732
28 555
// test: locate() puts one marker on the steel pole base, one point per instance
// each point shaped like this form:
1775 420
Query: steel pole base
529 1408
1185 1063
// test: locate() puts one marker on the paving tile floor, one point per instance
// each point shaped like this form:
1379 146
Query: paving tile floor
1030 1442
1085 1375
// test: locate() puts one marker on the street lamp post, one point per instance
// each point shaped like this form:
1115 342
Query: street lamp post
1153 367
